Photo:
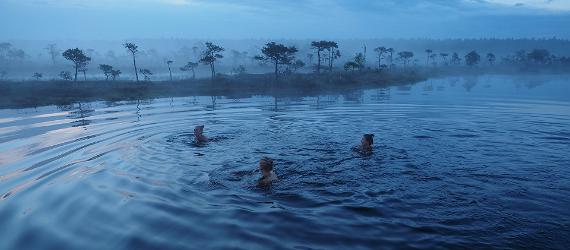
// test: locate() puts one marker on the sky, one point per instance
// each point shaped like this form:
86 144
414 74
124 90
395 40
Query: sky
282 19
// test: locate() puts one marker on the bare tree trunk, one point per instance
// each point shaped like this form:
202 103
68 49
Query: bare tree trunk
84 76
391 58
331 53
379 61
76 71
135 64
169 70
276 70
318 61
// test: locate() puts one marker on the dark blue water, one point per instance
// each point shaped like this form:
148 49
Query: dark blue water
462 162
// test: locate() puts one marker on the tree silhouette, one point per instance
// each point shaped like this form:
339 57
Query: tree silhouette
360 60
146 73
405 57
65 75
391 52
239 70
83 69
115 74
491 58
433 58
444 57
333 53
310 57
319 46
4 48
211 55
455 59
521 56
298 64
472 58
134 49
53 51
169 70
351 65
380 51
428 52
278 54
107 70
37 76
539 56
190 66
7 52
79 59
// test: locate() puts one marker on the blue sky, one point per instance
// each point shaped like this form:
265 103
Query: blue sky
296 19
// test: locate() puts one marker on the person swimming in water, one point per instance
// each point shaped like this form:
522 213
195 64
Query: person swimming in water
199 134
366 143
266 167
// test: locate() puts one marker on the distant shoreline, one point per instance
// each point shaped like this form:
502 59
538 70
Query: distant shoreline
29 94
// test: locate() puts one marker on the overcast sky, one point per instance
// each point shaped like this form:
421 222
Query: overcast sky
218 19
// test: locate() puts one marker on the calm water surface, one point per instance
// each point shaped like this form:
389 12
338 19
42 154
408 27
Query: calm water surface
462 162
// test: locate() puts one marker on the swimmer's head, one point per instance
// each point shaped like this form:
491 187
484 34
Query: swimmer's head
368 139
266 164
199 129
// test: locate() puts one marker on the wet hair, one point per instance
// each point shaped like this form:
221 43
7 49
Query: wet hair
201 127
369 138
266 163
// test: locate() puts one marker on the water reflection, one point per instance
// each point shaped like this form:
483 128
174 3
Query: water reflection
469 82
461 167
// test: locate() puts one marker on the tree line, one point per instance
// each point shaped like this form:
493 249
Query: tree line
285 59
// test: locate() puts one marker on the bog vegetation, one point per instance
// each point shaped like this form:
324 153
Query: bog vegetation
273 68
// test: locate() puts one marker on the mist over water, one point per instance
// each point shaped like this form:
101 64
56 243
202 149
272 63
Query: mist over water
459 162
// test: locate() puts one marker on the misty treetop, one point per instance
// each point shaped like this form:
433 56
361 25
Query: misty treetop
317 56
278 54
133 49
472 58
9 53
211 55
107 70
190 66
326 51
79 59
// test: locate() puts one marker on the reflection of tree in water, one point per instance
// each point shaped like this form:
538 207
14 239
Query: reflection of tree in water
323 101
381 95
138 111
138 104
470 82
428 86
453 81
404 88
275 102
354 96
79 111
111 104
193 100
531 83
214 101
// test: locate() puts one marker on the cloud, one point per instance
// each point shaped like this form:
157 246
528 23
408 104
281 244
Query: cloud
399 5
120 19
552 5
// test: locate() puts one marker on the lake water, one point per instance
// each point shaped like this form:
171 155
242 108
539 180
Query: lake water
460 162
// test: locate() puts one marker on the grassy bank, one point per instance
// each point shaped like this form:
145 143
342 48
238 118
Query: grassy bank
43 93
